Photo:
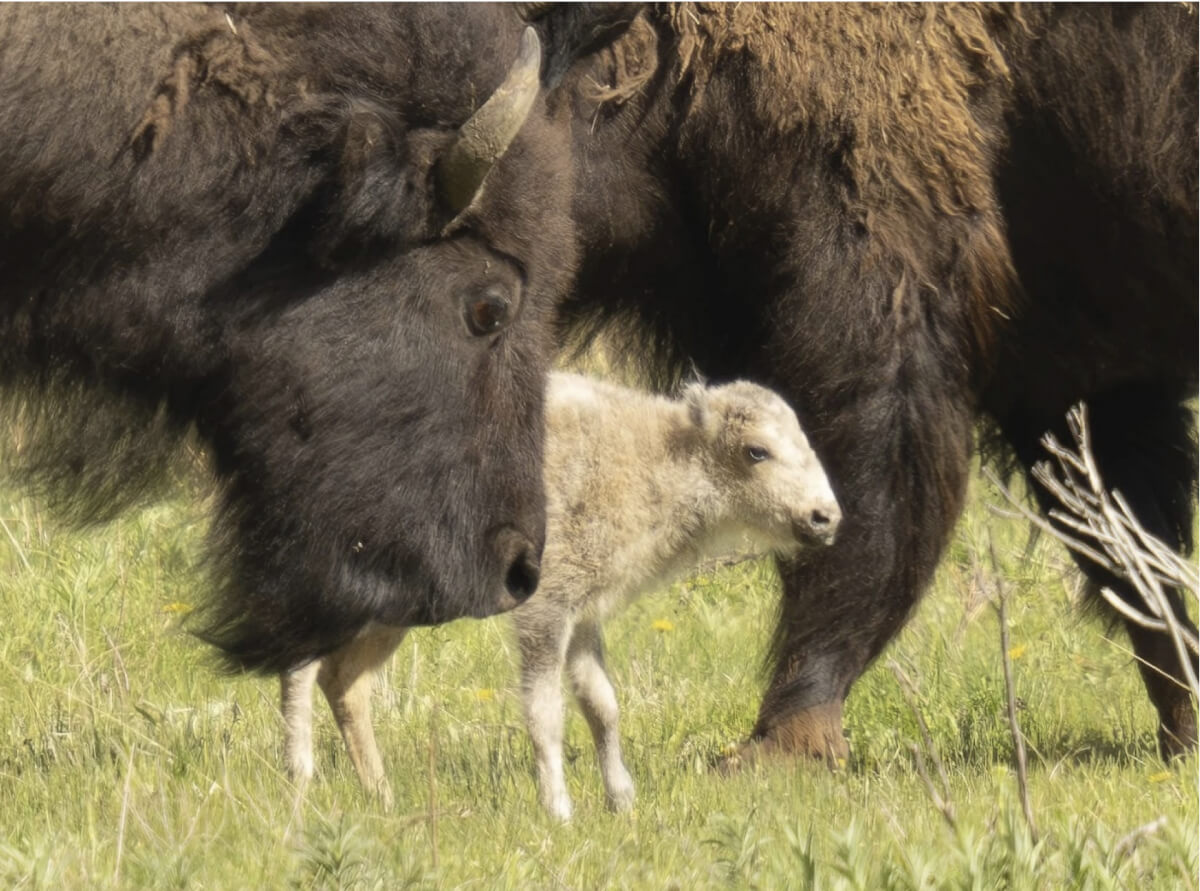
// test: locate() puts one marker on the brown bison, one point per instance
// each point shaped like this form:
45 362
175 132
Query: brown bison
908 218
324 238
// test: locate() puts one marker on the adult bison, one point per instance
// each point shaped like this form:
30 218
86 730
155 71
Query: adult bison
310 234
908 218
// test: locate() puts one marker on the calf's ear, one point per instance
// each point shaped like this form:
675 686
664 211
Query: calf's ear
695 397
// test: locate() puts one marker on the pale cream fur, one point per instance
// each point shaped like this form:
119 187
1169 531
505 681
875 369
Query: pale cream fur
639 489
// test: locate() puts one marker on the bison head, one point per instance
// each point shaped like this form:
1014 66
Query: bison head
380 426
328 237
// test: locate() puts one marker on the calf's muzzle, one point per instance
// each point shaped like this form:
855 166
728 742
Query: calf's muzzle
818 525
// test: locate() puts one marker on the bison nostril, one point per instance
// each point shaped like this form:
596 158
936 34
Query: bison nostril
520 563
518 570
820 520
523 574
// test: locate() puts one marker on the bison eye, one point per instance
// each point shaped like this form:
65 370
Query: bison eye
488 311
757 453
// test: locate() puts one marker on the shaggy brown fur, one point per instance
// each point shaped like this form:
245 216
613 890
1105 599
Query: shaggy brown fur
906 218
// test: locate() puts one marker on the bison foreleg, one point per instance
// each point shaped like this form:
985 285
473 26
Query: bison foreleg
898 455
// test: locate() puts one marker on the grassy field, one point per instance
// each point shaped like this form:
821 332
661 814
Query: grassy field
127 760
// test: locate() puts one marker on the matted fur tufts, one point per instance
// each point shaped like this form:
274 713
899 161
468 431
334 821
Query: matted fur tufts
893 90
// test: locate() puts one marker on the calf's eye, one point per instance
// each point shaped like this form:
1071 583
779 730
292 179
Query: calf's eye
487 311
757 453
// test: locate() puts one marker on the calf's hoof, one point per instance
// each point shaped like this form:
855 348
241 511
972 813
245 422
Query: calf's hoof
382 794
558 806
299 768
619 795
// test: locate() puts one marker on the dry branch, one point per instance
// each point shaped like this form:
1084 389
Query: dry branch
1100 525
941 797
1010 694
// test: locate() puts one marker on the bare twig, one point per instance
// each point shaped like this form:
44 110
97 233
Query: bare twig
433 803
1129 613
941 798
1010 695
1101 526
1073 544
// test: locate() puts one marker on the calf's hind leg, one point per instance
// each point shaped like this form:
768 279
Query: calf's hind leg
596 697
346 676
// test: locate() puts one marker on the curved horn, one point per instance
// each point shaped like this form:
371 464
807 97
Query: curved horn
488 132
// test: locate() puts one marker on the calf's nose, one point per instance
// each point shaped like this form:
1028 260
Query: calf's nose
820 525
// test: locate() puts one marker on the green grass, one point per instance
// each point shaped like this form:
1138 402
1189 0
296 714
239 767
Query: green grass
127 760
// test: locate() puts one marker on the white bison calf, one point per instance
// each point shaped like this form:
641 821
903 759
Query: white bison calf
639 489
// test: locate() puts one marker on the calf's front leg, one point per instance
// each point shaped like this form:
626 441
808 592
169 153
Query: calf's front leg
543 636
598 700
296 688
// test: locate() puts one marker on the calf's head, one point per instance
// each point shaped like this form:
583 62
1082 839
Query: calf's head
770 480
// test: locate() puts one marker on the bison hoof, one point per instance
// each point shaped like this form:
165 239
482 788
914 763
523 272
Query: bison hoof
752 752
811 733
734 757
814 732
1178 738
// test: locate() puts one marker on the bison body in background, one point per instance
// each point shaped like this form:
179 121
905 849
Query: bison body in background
268 224
905 219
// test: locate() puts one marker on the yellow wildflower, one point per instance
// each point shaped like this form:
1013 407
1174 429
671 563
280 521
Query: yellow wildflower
662 625
1016 652
485 694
